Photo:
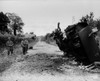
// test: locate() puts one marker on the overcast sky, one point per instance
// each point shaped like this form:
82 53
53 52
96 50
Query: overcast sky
42 16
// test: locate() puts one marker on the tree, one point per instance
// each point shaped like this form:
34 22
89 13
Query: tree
16 23
31 32
88 19
97 22
3 22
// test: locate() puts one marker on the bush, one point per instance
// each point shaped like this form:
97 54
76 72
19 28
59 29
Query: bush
15 39
3 40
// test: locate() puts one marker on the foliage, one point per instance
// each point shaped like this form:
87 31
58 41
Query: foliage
16 39
48 38
3 22
31 32
91 21
16 23
88 19
97 23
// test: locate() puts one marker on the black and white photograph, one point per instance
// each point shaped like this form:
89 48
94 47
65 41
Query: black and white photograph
49 40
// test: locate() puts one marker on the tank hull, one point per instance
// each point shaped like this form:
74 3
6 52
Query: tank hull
89 44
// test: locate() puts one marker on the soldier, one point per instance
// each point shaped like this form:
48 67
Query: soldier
24 44
9 45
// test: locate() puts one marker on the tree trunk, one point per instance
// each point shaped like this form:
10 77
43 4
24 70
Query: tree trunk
15 32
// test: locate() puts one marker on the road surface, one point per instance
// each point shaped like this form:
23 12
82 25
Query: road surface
45 63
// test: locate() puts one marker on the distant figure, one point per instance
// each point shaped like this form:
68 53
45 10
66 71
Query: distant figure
24 44
9 45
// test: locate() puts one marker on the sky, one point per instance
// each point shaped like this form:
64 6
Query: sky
42 16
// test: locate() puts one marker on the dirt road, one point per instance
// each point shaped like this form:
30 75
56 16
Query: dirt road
45 63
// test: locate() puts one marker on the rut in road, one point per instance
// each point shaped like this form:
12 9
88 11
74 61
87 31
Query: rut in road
45 63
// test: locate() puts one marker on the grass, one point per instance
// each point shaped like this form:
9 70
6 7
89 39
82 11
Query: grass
6 61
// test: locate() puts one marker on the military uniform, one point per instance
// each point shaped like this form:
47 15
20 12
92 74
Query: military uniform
9 45
24 45
26 42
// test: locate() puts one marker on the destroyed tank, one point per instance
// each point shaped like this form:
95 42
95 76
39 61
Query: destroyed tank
81 43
